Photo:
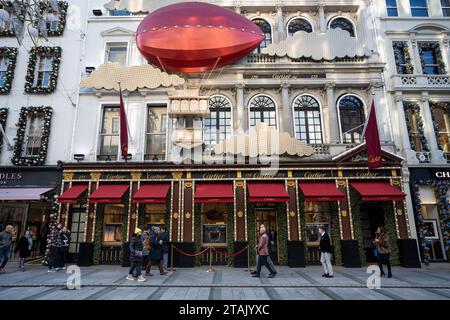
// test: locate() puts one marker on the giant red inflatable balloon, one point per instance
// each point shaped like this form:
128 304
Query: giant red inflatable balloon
196 37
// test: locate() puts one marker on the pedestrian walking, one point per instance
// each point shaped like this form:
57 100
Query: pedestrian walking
23 247
263 253
65 238
325 253
5 246
136 254
382 244
270 247
55 246
146 248
156 251
165 248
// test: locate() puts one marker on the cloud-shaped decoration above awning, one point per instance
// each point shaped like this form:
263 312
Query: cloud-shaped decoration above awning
132 78
335 43
263 140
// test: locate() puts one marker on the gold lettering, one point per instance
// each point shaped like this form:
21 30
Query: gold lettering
156 176
214 176
367 174
115 177
315 175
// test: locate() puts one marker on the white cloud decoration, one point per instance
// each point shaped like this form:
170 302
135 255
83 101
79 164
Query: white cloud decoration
335 43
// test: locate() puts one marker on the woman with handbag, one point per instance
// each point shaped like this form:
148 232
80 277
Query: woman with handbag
382 244
136 248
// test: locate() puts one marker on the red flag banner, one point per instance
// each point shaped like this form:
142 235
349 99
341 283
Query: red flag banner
372 137
123 129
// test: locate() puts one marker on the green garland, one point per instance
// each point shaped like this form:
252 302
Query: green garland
445 107
141 216
7 32
11 54
335 233
3 118
53 221
401 52
35 54
251 231
45 6
433 46
391 230
282 234
356 218
18 159
98 233
415 109
198 233
230 233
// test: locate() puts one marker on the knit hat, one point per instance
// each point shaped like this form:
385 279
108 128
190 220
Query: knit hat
138 231
155 228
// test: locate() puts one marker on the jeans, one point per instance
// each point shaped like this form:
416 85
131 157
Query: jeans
135 268
53 258
263 260
165 260
325 259
4 257
384 259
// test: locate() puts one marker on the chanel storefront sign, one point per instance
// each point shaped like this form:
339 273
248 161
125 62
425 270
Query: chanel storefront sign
442 174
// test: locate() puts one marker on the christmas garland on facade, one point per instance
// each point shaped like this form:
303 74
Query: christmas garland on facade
53 221
415 108
441 188
230 233
282 234
11 54
433 46
35 54
401 53
18 159
198 233
335 234
99 215
45 6
445 106
7 32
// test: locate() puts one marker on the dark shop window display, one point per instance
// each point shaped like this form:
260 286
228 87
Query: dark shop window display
214 223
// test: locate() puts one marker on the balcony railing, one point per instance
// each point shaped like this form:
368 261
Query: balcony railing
106 157
423 157
264 58
421 81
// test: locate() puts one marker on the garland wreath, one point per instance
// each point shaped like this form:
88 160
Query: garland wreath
7 32
18 159
45 6
401 53
35 54
415 108
11 54
433 46
53 221
445 107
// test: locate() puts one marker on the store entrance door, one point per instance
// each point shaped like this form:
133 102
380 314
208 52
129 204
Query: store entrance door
266 214
372 217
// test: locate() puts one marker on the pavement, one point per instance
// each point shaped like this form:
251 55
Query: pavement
109 283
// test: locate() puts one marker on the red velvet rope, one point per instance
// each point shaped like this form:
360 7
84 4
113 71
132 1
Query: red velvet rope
230 255
190 254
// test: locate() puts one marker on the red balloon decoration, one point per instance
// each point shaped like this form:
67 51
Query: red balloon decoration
196 37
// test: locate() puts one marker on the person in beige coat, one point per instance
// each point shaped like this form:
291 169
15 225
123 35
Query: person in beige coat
382 244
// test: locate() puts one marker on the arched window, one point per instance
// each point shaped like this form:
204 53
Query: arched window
299 24
267 30
343 24
218 125
307 121
262 108
352 118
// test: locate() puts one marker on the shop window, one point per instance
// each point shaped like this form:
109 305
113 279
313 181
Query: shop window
414 124
307 119
299 24
352 119
109 135
391 7
117 52
155 214
262 108
156 133
43 72
5 26
218 125
441 120
120 13
419 8
344 24
214 223
316 214
4 65
445 4
33 135
13 214
402 57
77 227
113 222
267 30
431 58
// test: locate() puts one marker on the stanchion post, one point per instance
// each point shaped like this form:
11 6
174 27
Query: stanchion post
210 260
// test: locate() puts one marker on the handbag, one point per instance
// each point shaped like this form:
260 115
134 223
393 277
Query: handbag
138 253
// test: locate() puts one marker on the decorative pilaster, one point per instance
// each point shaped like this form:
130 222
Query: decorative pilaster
322 19
287 124
240 123
280 22
401 122
376 89
333 134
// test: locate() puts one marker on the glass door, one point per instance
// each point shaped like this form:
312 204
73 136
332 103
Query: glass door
266 214
77 230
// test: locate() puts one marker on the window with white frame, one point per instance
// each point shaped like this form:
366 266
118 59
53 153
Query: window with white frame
262 108
110 134
43 72
352 118
155 148
299 24
53 25
445 5
267 30
391 8
419 8
117 52
344 24
431 58
33 135
4 64
218 126
307 119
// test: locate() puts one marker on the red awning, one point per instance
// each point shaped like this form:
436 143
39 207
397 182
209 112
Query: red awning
217 192
321 192
267 192
109 193
72 195
378 191
152 193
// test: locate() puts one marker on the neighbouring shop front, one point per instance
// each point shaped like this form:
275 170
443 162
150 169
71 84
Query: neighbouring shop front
218 209
26 202
431 199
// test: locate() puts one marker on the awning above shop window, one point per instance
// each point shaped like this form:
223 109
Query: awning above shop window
378 191
72 195
267 192
321 192
23 194
152 193
109 193
218 192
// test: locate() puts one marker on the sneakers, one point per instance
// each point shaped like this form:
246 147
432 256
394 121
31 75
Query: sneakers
141 279
57 269
130 277
272 275
253 272
51 270
255 275
2 270
325 275
163 274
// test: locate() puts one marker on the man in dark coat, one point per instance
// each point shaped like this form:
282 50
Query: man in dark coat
165 248
5 246
325 253
156 251
23 247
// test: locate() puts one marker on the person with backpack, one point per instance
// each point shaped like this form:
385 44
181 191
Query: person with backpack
136 249
24 247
